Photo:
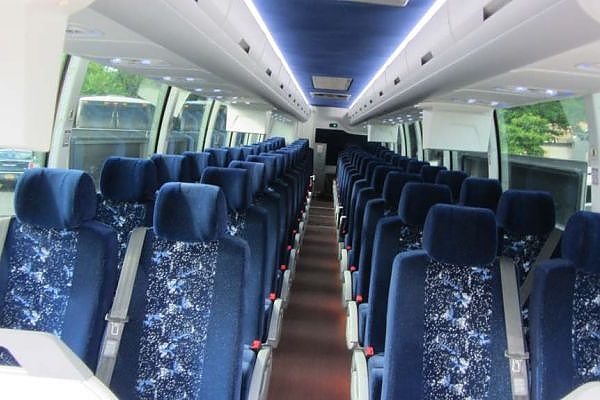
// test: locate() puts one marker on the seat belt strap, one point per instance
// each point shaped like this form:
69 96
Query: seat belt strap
117 317
515 353
544 254
4 224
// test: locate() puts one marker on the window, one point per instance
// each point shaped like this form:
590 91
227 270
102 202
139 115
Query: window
413 145
220 136
13 162
118 115
435 157
188 124
473 163
544 147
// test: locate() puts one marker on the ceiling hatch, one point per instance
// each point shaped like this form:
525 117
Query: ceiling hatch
331 83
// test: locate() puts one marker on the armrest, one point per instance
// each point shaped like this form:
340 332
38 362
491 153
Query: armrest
352 326
359 376
342 220
275 324
292 263
285 287
297 237
341 246
347 288
343 262
261 374
48 369
588 391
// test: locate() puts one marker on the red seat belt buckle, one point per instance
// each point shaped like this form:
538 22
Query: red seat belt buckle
348 248
369 351
289 247
272 296
256 345
352 268
283 267
359 298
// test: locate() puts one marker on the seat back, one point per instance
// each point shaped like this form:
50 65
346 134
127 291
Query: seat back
183 338
430 172
59 265
197 162
454 180
171 168
219 156
445 325
414 166
480 192
126 198
525 218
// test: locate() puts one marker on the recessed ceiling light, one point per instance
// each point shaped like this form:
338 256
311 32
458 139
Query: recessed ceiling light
198 89
520 89
167 78
190 79
219 97
145 61
217 90
116 60
247 102
471 101
234 102
551 92
494 103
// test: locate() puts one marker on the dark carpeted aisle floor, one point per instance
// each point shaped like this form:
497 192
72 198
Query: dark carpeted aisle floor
312 361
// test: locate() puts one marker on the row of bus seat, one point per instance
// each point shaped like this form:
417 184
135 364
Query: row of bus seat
205 286
429 318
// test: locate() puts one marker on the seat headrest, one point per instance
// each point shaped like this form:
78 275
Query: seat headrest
526 212
235 185
414 166
270 165
460 235
234 154
580 241
197 162
430 172
190 212
279 163
394 183
220 156
128 179
417 199
379 175
256 172
480 192
171 168
452 179
55 198
247 151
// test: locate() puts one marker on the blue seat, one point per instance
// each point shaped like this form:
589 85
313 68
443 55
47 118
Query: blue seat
454 180
393 235
171 168
197 162
414 166
59 265
126 198
445 324
564 313
219 156
480 192
525 218
234 154
430 172
183 338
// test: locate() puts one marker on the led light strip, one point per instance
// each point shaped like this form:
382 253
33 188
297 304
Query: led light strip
265 29
411 35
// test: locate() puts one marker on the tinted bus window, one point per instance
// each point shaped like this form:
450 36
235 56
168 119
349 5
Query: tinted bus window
188 124
544 147
13 162
220 136
116 116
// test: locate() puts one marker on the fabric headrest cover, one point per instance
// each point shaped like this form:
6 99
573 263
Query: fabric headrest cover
246 151
234 154
414 166
279 163
190 212
379 176
580 241
417 199
128 179
220 156
460 235
235 185
526 212
197 162
270 165
403 162
394 183
55 198
480 192
171 168
256 172
287 157
452 179
430 172
370 171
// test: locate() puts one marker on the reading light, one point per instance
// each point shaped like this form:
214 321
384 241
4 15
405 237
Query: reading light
411 35
261 23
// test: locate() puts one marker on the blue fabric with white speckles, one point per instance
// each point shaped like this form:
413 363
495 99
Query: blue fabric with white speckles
39 287
123 217
180 296
523 250
456 356
237 225
586 327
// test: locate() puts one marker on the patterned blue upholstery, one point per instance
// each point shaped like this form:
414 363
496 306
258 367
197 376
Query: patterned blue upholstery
454 180
526 218
430 172
183 338
480 192
59 265
197 162
171 168
445 328
564 313
126 199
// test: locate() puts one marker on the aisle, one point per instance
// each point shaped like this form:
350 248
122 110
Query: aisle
312 361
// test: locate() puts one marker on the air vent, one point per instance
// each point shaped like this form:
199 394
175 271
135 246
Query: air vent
381 93
493 7
281 86
426 58
331 96
397 80
245 46
331 83
269 72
